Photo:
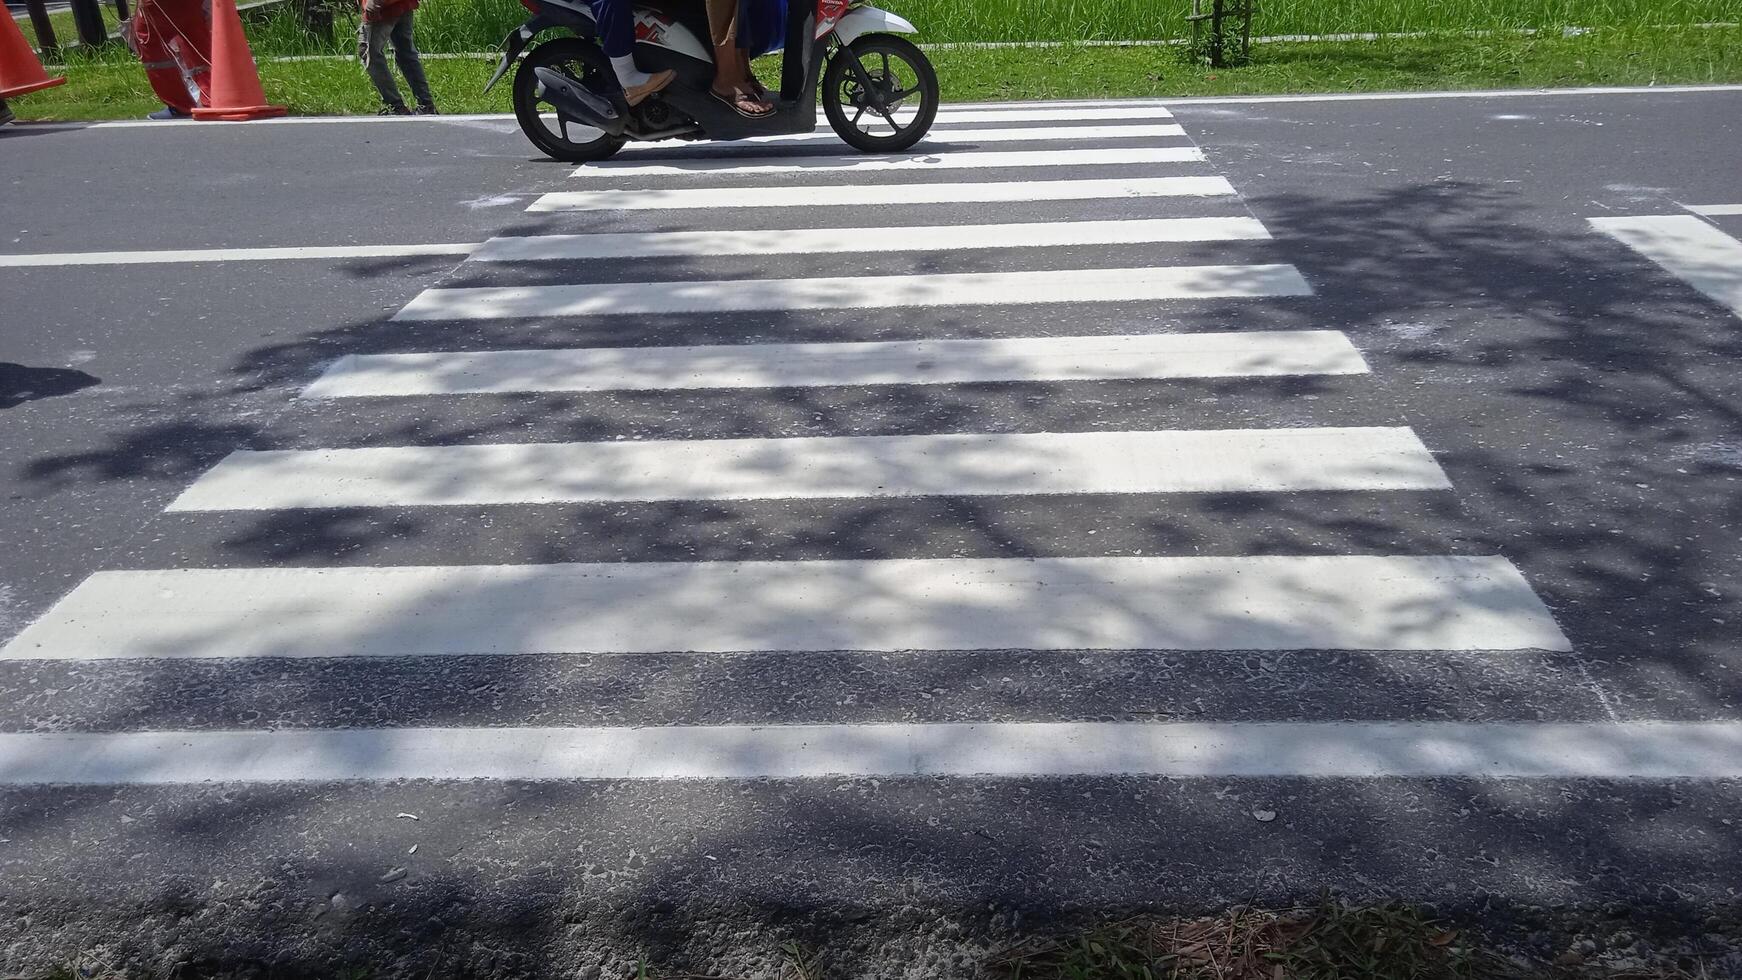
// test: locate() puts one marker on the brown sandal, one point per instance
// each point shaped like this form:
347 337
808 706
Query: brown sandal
744 103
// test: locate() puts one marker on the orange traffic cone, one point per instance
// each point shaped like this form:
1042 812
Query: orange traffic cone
236 92
20 72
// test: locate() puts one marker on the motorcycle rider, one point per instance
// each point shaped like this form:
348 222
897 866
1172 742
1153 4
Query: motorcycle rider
617 37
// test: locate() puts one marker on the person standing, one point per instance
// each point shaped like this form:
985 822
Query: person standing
173 39
389 22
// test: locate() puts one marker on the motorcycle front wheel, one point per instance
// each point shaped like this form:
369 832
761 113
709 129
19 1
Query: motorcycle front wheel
897 71
565 140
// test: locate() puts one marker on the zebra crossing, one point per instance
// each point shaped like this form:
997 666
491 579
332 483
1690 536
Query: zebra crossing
1130 263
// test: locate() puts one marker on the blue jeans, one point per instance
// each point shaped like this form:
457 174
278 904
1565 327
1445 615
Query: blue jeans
616 26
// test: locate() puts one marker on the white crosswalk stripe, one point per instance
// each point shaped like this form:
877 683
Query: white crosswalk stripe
1219 460
1055 112
865 195
1179 750
1246 603
1701 255
941 135
920 238
920 159
1262 354
859 292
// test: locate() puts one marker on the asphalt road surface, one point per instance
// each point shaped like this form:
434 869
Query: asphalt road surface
1110 506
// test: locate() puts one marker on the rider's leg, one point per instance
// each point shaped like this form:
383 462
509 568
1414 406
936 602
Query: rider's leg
617 37
732 78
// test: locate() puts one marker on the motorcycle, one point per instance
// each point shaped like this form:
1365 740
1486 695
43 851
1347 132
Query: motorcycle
879 91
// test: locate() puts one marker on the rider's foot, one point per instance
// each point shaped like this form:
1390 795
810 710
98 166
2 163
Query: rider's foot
744 102
636 94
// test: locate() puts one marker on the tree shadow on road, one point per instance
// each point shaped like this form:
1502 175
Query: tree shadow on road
1578 398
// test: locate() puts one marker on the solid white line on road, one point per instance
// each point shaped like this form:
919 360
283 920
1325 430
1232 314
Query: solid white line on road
1516 93
1012 191
859 292
1096 109
872 240
939 136
1701 255
1180 750
55 259
1342 602
964 464
920 159
1192 355
1714 210
492 117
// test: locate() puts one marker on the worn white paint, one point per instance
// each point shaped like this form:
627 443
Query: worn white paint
1157 283
1184 750
1354 602
940 135
1690 248
869 195
1193 355
917 160
970 464
869 241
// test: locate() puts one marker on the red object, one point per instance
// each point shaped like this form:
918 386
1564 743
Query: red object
831 10
20 72
395 10
236 91
173 41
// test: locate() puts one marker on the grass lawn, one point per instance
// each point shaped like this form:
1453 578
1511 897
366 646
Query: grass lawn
112 85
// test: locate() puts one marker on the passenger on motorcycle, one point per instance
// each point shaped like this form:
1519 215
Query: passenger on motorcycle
734 83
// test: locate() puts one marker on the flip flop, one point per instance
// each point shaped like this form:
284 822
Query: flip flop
737 99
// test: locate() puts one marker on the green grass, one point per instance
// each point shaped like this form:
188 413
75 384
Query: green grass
474 25
111 85
1031 20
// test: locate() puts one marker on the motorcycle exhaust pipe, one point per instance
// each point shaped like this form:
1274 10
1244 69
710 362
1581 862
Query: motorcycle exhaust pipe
572 99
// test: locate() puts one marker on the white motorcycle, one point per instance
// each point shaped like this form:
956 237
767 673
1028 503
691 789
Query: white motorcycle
879 91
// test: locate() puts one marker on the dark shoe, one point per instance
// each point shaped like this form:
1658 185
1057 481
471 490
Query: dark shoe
6 115
639 93
167 113
394 110
425 110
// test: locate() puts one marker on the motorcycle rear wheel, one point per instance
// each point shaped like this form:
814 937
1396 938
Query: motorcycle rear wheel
583 62
901 72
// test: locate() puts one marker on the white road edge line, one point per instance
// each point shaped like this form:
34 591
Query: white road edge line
1269 353
1690 248
177 255
876 239
1156 283
821 467
1182 750
1314 602
1011 191
920 159
1111 104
